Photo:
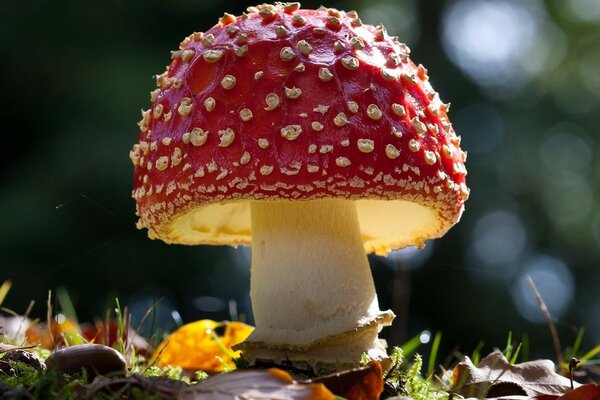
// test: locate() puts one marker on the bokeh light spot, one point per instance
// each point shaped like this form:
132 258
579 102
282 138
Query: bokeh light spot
553 280
500 44
498 240
566 158
585 10
425 337
565 153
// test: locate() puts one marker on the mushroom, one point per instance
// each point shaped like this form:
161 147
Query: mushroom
315 139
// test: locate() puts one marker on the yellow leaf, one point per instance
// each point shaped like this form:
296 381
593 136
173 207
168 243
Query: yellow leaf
196 346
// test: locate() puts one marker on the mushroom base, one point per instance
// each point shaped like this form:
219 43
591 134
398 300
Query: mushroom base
312 293
336 352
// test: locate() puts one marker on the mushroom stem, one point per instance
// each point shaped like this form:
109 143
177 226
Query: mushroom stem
312 292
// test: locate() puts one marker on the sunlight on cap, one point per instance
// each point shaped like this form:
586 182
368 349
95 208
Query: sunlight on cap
553 280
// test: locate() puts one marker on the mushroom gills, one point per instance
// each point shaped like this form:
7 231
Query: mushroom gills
385 224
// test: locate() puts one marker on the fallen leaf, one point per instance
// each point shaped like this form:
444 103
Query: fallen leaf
256 384
583 392
107 333
363 383
496 377
196 346
52 336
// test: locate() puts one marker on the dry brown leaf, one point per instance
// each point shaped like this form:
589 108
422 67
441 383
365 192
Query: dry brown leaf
583 392
196 346
256 384
496 377
363 383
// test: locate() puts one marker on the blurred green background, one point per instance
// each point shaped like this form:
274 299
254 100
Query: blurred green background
523 78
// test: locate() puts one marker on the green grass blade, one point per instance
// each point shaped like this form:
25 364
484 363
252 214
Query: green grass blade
577 344
120 327
513 359
66 305
4 288
435 346
508 349
476 355
411 346
590 354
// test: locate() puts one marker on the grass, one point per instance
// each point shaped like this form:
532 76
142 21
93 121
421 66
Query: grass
403 377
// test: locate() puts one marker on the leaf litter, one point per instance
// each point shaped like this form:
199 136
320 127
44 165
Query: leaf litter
197 362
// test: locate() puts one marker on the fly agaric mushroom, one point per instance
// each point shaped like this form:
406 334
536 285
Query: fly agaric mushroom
315 139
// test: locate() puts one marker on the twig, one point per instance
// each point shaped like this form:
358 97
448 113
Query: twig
573 362
548 317
49 319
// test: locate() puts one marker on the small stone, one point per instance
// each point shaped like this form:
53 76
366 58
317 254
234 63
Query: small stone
95 359
19 355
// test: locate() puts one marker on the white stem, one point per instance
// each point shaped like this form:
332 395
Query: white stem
310 277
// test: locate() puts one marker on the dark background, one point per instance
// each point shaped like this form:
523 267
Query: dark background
524 82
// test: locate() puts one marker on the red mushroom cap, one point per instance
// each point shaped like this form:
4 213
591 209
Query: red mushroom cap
284 103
